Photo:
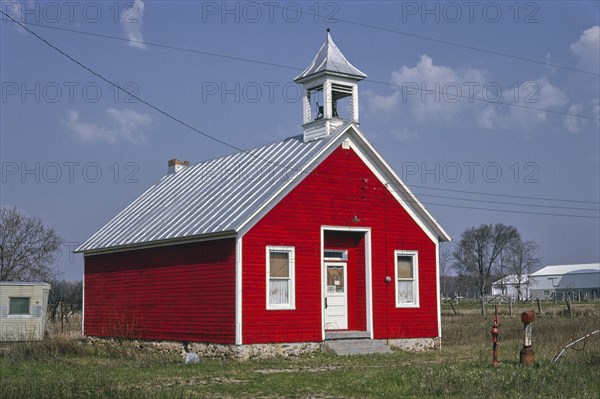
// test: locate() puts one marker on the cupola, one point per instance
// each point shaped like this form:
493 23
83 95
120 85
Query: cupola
330 86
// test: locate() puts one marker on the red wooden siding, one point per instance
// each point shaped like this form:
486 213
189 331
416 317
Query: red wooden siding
180 292
339 188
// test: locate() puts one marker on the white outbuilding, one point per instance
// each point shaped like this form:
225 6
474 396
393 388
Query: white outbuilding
581 281
23 309
510 287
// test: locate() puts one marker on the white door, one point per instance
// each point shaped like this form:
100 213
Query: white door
336 296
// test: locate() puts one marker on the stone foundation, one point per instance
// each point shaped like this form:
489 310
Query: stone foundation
254 351
219 351
416 344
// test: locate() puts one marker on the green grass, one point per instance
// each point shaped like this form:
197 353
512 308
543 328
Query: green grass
64 368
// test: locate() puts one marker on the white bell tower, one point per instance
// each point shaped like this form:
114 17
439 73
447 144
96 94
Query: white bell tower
330 92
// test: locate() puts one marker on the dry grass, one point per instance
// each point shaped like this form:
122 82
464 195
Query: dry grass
62 366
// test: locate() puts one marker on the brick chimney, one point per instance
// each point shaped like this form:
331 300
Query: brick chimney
175 165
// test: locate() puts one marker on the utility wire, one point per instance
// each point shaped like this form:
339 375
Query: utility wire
233 146
507 203
403 86
441 41
512 211
506 195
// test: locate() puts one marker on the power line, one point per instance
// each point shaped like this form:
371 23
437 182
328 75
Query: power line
235 147
506 195
513 211
278 65
447 42
507 203
160 45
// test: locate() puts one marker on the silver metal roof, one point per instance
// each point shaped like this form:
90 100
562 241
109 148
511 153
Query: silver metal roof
330 58
568 269
214 196
24 283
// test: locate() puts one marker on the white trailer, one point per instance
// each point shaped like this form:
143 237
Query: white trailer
23 309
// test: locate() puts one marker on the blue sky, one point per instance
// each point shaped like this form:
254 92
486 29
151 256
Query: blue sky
522 133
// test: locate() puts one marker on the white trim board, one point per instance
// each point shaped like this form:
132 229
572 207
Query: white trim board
238 290
368 271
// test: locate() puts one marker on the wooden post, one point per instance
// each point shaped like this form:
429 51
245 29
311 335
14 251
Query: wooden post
568 300
452 306
539 306
510 305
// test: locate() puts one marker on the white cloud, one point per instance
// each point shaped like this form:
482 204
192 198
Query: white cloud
587 49
130 123
132 19
573 123
382 102
88 132
596 107
445 96
129 126
539 94
431 92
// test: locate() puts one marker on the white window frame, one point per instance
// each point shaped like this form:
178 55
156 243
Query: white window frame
19 315
415 279
291 251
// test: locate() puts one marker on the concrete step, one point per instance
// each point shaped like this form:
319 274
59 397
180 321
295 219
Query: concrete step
357 346
343 334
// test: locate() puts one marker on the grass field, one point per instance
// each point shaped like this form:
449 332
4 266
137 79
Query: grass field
62 367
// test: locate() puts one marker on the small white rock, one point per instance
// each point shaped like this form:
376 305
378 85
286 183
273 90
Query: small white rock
191 358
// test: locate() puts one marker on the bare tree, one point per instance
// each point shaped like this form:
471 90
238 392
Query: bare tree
478 255
522 261
65 301
28 249
445 257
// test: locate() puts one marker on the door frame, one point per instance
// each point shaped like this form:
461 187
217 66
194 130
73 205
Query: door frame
368 277
343 264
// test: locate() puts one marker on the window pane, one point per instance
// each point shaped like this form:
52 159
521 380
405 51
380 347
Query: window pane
279 292
279 264
405 291
19 306
405 266
335 279
336 254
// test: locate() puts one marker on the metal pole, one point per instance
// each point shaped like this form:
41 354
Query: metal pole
495 326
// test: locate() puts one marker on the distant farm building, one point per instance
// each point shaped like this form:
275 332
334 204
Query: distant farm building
23 311
582 281
509 287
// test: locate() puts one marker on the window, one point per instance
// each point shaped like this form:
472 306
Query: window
280 278
18 306
337 254
407 281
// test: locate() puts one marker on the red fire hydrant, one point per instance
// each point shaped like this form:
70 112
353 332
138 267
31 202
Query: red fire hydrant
495 326
527 355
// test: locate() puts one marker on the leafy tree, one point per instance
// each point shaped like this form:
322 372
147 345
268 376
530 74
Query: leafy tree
478 256
28 249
